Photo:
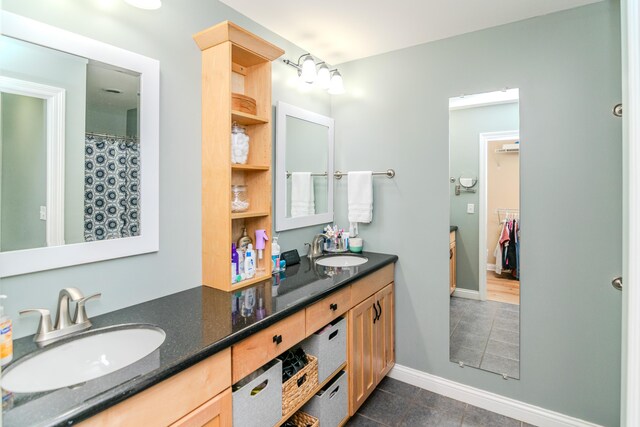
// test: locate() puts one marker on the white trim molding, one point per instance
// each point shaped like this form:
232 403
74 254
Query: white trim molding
54 98
466 293
483 399
484 139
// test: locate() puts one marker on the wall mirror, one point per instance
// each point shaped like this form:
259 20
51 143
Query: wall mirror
304 168
78 149
484 247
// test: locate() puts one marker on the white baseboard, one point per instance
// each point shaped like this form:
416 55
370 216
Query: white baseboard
466 293
483 399
491 267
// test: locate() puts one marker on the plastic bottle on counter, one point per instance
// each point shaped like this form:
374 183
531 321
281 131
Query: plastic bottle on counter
275 255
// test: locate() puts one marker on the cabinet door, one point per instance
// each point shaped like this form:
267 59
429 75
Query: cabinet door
214 413
361 354
384 333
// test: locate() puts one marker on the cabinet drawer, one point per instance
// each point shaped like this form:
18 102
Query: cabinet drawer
167 401
253 352
369 285
328 309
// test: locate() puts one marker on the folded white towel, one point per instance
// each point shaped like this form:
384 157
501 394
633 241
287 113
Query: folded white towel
360 196
302 194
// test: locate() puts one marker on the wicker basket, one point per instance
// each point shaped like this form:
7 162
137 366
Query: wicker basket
243 103
298 387
301 419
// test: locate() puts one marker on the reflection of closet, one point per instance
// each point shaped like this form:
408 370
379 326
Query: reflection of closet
234 60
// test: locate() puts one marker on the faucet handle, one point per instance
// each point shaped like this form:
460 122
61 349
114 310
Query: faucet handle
80 315
45 320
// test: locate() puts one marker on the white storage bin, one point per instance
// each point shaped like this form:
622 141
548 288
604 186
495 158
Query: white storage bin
257 398
330 405
329 345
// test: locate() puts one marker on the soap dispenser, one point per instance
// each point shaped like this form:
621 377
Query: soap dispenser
6 336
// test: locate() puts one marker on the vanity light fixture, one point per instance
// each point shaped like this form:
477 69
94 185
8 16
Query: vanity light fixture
310 72
145 4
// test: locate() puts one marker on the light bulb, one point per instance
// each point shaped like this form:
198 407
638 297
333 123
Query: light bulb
336 86
324 76
308 72
145 4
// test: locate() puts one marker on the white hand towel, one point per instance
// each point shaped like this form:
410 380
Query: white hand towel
360 196
302 194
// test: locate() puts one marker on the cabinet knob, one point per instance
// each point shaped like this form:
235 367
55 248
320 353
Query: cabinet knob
333 306
277 339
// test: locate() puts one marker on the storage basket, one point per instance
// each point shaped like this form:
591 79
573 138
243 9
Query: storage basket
330 347
257 398
300 419
300 386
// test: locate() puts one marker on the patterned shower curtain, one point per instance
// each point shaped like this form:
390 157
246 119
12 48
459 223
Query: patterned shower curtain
111 187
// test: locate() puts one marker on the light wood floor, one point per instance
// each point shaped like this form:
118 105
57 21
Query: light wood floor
502 289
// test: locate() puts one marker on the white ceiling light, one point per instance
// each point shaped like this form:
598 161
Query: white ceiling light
306 66
324 76
336 85
145 4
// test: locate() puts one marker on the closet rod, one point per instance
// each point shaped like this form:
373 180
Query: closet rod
108 135
389 173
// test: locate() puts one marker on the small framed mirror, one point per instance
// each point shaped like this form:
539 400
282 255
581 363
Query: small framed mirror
304 168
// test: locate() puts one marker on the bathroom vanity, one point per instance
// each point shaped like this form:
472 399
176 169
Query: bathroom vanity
209 346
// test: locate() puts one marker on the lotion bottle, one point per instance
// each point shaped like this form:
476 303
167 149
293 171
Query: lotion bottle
249 262
6 336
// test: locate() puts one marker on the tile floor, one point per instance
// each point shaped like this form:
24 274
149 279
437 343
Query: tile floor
396 404
485 335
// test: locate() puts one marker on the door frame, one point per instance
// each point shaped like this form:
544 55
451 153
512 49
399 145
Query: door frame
630 19
484 139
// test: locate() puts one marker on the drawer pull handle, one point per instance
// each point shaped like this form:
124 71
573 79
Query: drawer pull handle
302 380
277 339
379 310
333 334
333 306
259 387
376 311
333 393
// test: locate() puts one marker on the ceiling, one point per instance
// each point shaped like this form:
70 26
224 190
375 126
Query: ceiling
338 31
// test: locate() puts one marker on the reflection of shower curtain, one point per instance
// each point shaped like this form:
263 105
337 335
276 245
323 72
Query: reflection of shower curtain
111 187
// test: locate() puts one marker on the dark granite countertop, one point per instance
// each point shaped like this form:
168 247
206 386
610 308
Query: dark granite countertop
452 228
198 323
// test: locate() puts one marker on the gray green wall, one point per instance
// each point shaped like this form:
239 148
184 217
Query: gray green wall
23 168
166 35
465 125
567 66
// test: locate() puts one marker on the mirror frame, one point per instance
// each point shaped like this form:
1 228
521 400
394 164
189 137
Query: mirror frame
282 221
38 259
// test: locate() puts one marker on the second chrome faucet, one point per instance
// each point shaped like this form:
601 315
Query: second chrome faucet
64 324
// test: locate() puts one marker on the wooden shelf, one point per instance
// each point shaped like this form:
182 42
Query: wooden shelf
252 281
247 119
239 167
250 214
313 392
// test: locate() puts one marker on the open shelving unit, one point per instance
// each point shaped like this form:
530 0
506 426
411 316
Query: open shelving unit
234 61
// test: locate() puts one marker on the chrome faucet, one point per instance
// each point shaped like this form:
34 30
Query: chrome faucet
315 249
64 324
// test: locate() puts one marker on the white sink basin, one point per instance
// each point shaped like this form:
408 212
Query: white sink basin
89 356
342 261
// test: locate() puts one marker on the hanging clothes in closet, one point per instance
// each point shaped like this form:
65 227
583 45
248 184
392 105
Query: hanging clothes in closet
507 250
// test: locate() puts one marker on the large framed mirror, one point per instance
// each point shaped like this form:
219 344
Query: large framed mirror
484 255
304 168
78 149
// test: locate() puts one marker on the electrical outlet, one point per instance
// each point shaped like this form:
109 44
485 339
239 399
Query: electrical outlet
471 208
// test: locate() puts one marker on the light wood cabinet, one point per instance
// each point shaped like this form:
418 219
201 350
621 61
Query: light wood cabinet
215 413
327 309
452 262
371 348
173 398
234 61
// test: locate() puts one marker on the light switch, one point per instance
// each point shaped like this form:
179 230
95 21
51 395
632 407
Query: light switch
471 208
43 213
